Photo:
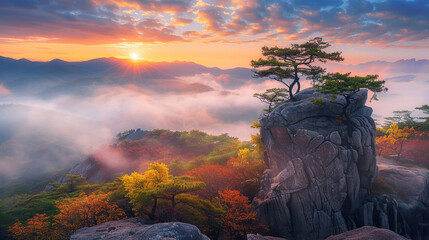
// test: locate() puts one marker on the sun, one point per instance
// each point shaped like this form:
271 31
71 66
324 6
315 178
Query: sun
134 56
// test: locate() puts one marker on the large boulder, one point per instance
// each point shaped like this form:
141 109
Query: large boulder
405 207
133 229
320 169
367 233
410 183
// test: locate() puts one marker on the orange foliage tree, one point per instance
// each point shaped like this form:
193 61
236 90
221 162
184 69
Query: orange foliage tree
84 211
216 177
38 227
238 219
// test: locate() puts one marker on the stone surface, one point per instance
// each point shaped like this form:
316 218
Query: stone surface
318 175
260 237
406 210
400 177
90 169
133 229
367 233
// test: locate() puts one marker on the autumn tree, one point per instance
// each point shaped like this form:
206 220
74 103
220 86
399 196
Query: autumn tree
347 86
272 97
140 187
37 228
216 177
248 165
398 136
156 184
239 218
84 211
281 64
384 144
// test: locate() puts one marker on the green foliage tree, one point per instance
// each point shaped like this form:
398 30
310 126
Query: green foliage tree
425 109
402 117
73 181
347 86
272 97
175 190
177 167
288 63
424 126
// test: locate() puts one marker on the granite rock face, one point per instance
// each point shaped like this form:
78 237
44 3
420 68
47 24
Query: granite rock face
319 171
406 210
90 169
400 178
132 229
367 233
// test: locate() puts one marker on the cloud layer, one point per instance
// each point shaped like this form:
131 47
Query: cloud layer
393 23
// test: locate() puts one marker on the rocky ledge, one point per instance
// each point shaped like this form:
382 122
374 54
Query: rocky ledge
367 233
133 229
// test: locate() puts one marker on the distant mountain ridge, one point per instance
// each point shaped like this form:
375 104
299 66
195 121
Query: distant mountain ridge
401 66
59 75
46 79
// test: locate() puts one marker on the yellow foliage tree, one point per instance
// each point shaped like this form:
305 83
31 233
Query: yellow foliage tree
394 139
139 187
154 184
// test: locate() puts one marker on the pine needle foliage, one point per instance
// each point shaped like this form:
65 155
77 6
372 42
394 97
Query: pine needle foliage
281 64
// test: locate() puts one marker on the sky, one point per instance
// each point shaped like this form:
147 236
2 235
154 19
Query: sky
221 33
214 33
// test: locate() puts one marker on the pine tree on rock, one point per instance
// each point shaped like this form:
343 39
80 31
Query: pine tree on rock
347 86
288 63
272 97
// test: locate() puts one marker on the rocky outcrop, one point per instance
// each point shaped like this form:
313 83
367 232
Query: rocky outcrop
134 135
133 229
399 178
405 209
91 169
319 172
260 237
367 233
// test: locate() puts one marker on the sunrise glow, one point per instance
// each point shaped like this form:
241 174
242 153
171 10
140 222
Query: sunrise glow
134 56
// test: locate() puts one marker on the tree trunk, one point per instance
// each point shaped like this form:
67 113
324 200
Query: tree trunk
299 86
295 81
400 151
173 210
153 212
